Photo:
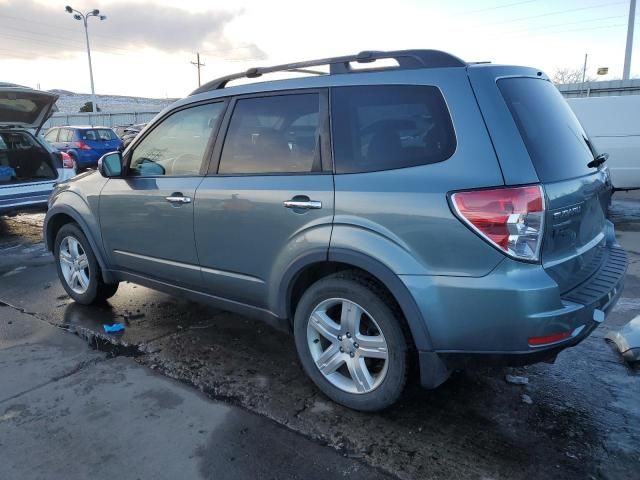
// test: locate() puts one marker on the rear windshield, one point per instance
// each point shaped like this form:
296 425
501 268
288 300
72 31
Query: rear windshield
555 140
98 134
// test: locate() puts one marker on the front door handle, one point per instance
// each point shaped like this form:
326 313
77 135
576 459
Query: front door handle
302 203
178 199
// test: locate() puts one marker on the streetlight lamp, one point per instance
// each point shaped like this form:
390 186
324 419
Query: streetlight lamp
85 17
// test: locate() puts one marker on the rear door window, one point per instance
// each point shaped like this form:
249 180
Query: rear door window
557 144
274 134
383 127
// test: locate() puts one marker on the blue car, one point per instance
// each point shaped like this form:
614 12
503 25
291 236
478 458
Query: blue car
84 144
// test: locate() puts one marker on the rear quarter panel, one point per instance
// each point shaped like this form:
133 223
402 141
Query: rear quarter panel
402 217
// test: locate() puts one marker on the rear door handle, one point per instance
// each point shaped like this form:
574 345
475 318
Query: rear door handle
303 204
178 199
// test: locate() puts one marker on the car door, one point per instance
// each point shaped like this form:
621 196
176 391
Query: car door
268 199
146 217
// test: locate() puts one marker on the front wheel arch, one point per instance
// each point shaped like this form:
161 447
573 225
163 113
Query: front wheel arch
61 215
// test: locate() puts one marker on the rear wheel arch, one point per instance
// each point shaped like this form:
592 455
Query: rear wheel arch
305 275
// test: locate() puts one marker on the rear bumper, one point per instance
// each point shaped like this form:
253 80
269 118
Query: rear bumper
26 196
490 320
85 158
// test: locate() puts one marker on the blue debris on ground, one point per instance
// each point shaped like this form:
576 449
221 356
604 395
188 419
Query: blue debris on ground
116 327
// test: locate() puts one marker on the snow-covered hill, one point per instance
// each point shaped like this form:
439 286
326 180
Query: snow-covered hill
70 102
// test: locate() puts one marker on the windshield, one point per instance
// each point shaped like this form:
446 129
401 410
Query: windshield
99 134
557 144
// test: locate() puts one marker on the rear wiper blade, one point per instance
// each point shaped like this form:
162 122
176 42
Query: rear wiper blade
599 160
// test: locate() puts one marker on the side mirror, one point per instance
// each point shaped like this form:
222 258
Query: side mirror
110 165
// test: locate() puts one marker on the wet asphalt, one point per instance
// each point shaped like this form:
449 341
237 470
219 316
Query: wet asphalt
69 412
577 418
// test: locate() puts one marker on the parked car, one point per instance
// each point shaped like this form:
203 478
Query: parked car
85 144
613 125
130 134
29 167
120 130
435 213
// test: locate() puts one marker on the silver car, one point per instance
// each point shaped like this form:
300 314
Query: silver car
29 166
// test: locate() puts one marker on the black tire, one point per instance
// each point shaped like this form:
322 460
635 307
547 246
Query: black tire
361 289
97 291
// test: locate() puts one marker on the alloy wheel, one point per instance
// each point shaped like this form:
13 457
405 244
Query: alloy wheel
74 265
347 346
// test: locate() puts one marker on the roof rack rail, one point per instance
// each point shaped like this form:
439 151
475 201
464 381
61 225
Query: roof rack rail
407 59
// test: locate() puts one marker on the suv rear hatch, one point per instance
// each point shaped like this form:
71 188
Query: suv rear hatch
24 107
539 140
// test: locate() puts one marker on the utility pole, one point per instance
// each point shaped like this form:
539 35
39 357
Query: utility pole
584 72
198 64
627 53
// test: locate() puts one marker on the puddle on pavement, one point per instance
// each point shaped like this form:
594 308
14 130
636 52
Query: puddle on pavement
87 322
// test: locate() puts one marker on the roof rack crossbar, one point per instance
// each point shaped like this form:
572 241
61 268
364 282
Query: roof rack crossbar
407 59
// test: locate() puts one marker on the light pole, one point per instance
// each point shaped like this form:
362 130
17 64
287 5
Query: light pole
85 18
629 48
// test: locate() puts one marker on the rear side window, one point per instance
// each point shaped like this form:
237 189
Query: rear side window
382 127
557 144
275 134
102 134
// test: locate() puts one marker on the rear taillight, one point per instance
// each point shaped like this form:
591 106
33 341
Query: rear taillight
548 339
511 219
67 161
81 145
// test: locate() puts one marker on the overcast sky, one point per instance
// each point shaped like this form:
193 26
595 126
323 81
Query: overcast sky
144 48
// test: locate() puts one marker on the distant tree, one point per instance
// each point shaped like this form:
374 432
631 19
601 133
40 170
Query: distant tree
86 108
566 76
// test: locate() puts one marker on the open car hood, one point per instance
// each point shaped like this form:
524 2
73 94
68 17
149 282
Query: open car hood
25 107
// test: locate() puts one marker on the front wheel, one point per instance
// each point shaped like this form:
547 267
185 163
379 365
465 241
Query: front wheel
78 268
350 341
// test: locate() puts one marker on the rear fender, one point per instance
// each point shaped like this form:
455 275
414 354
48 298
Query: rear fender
385 274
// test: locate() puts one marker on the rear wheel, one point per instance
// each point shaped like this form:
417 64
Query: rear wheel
78 268
350 341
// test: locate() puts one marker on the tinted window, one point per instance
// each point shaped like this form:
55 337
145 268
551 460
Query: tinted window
555 140
276 134
383 127
98 134
176 146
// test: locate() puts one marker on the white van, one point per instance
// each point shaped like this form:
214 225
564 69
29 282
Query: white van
613 124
